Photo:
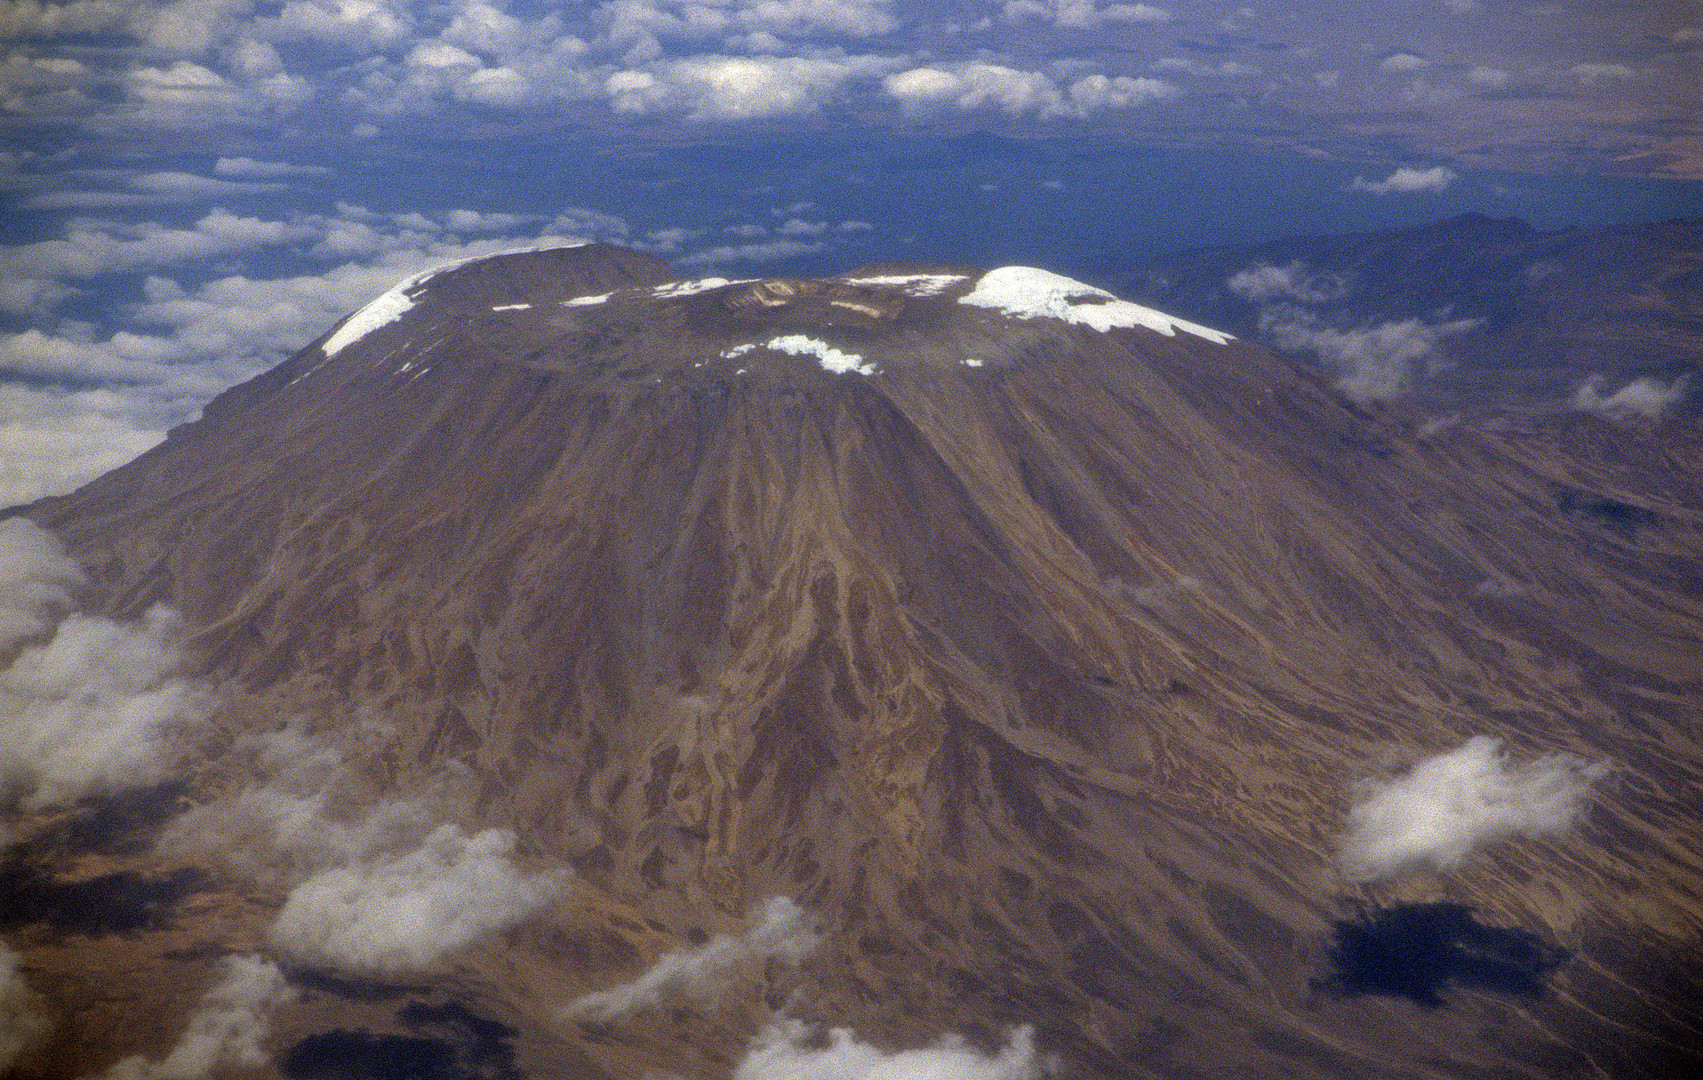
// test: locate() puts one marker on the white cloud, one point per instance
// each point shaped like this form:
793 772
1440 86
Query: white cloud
1592 74
1092 93
1450 804
628 21
1375 363
33 18
36 581
1295 282
92 708
23 1021
782 931
53 440
982 85
1081 14
266 170
227 1031
1407 181
1400 63
788 1050
363 27
1488 78
763 251
1645 395
401 913
733 88
1227 69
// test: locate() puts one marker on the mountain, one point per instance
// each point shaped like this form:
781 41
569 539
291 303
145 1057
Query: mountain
1534 312
605 675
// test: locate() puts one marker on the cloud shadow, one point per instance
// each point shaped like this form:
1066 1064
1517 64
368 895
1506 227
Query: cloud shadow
1418 951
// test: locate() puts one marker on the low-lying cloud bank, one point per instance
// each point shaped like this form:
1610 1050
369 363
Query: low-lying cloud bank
87 704
1451 804
780 931
789 1050
228 1030
22 1021
402 913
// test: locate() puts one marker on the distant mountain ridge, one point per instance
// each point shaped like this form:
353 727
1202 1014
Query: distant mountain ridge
1549 308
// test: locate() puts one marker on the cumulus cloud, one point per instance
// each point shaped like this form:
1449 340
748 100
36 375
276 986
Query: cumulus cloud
94 707
1081 14
1399 63
403 913
227 1031
982 85
1645 395
23 1020
790 1050
780 931
1448 805
733 88
1407 181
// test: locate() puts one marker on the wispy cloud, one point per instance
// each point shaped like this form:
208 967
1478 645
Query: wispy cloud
1374 362
1645 396
781 931
1407 180
1447 806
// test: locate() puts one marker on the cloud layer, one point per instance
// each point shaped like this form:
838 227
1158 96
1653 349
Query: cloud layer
788 1050
781 930
87 704
1447 806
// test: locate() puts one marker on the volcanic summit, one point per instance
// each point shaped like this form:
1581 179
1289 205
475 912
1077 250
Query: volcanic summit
616 676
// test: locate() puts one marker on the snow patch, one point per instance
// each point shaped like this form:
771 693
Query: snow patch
511 307
915 284
676 289
970 361
383 311
1025 292
587 301
832 359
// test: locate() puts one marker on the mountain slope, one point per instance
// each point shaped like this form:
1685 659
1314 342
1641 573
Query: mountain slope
1033 660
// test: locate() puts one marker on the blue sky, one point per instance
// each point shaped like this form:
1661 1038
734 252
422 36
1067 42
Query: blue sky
193 190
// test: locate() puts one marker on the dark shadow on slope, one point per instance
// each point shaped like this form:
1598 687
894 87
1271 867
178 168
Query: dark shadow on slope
1417 951
122 824
451 1044
121 903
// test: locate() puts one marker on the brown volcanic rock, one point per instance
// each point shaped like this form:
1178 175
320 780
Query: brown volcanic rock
1039 681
